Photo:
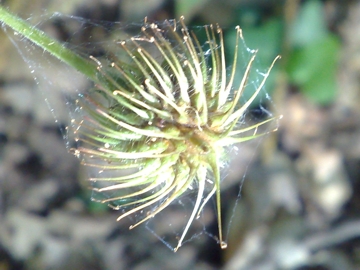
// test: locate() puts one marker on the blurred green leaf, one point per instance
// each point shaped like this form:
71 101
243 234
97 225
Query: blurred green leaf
267 39
313 69
93 207
313 62
96 207
188 8
309 25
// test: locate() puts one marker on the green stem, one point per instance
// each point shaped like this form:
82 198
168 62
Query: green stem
50 45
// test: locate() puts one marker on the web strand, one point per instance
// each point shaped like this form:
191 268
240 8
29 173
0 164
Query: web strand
78 90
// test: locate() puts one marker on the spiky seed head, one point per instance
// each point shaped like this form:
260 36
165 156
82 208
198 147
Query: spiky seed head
158 124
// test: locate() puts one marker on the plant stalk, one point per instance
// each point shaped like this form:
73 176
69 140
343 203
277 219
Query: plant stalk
41 39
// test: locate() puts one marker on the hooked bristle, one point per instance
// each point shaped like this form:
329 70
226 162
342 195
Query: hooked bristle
170 110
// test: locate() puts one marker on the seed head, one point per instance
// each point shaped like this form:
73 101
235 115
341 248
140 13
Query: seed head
158 124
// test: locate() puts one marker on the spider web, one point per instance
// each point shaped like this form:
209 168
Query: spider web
62 88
